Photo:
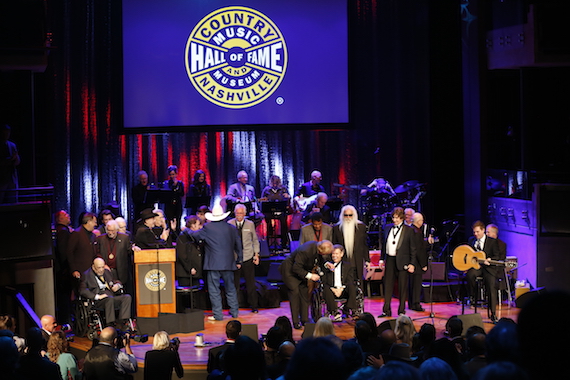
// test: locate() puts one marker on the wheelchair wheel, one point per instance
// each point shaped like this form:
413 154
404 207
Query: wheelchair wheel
81 319
316 305
93 334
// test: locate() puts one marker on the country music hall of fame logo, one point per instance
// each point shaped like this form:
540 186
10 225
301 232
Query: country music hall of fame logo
236 57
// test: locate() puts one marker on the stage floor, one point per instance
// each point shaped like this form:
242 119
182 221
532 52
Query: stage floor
195 358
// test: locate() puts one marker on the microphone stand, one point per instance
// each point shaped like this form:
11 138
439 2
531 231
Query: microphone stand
432 315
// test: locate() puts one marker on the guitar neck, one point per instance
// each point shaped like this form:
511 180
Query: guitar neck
492 262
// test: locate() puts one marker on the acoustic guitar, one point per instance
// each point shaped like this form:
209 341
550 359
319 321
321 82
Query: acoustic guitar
465 258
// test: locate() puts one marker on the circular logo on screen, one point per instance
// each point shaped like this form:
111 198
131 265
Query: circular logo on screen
236 57
155 280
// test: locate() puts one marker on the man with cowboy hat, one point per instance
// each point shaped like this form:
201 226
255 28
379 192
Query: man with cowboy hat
146 238
221 241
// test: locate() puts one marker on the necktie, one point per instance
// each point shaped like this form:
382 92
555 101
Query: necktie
102 279
240 228
478 245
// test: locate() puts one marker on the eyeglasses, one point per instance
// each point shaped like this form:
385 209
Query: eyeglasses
347 214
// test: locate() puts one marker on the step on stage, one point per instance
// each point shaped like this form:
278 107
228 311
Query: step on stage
194 359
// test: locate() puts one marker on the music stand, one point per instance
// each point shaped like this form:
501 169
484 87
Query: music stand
157 196
274 207
431 315
275 210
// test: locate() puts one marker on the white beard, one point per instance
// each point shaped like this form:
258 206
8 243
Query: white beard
348 228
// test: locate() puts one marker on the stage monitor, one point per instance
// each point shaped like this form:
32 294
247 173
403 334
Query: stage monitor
252 64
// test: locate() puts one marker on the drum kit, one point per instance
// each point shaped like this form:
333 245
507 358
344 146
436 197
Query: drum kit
378 199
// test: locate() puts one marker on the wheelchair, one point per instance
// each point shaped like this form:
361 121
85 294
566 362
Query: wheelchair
318 305
89 321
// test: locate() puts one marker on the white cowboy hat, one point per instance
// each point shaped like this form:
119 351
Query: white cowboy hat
217 214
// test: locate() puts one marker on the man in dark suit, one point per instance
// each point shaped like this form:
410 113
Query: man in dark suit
63 280
80 251
312 187
116 249
480 242
97 284
351 234
338 282
297 270
189 254
398 243
223 255
233 330
421 263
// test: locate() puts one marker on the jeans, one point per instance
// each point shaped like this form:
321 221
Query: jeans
216 294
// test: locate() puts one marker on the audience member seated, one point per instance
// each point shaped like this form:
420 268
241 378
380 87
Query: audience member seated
502 342
397 370
404 330
286 350
454 330
162 359
366 339
324 328
58 352
9 355
364 373
445 350
106 360
8 322
49 324
511 371
233 331
316 358
33 365
399 352
285 323
244 361
353 356
97 285
426 337
476 352
436 369
275 336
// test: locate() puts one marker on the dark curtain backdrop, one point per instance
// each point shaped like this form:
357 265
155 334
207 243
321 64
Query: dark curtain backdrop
389 108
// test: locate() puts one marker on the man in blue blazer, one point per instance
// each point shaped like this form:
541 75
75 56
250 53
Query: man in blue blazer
221 241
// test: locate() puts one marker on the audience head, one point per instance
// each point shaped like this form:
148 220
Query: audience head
275 336
510 371
542 345
56 345
427 334
323 327
316 358
48 323
35 340
285 323
233 329
475 345
369 318
7 322
474 330
502 342
362 331
364 373
353 355
245 360
454 327
397 370
387 338
286 349
108 335
161 341
436 369
8 353
445 350
404 329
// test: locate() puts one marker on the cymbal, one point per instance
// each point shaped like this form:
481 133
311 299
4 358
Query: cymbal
407 186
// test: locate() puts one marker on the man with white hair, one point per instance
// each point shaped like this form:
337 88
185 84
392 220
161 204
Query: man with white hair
243 193
408 216
116 249
424 238
351 234
318 205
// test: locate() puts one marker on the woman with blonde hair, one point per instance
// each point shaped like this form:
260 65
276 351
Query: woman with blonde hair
162 359
404 330
57 348
324 328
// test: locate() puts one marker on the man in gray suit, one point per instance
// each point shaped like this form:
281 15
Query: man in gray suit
317 230
223 255
250 245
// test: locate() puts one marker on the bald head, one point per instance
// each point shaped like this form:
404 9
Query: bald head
418 219
324 247
286 349
98 266
48 323
108 335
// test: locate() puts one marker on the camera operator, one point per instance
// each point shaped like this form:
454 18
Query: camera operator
105 361
159 362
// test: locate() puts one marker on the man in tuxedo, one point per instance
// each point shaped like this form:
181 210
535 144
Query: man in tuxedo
116 249
250 245
351 234
297 270
233 331
338 282
480 242
97 284
398 243
317 230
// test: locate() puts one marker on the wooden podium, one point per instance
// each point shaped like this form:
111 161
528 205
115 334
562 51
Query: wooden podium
154 277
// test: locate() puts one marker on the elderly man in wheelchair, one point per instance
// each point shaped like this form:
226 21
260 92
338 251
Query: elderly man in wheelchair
338 283
97 285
